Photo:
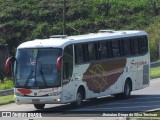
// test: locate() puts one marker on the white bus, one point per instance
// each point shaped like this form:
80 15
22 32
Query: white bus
70 69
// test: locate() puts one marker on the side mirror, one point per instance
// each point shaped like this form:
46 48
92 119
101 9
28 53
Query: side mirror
59 64
9 64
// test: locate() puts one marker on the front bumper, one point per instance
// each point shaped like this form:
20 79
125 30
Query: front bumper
37 100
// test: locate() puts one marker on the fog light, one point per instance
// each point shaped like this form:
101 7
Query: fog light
17 101
58 99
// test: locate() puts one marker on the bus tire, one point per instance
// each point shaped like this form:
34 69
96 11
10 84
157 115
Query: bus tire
127 89
79 99
39 106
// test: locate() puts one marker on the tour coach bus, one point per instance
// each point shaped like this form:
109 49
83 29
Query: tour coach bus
70 69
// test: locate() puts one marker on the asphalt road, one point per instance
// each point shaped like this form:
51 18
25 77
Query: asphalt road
147 99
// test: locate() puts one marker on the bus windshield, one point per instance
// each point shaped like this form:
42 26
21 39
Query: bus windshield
36 68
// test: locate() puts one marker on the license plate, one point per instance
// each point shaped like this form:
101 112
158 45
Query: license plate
35 101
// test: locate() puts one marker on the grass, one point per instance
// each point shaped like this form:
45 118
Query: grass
6 84
155 72
6 99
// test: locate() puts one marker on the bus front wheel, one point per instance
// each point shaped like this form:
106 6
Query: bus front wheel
39 106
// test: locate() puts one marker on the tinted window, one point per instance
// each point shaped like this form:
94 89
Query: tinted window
79 53
126 47
67 62
91 52
103 50
136 46
115 48
144 44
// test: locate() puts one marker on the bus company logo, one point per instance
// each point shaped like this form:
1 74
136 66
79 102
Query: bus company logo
137 64
35 94
48 90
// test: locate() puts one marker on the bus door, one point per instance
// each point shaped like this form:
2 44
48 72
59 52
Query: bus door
67 79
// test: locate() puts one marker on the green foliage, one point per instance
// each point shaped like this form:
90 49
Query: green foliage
23 20
6 99
154 37
7 83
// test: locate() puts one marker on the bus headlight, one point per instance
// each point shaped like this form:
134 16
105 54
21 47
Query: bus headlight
19 94
54 93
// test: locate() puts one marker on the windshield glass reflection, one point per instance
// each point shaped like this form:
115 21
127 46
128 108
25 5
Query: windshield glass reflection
37 68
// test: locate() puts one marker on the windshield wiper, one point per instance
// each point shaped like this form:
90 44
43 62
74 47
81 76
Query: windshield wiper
43 78
28 78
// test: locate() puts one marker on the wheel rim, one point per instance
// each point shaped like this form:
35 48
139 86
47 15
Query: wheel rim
79 98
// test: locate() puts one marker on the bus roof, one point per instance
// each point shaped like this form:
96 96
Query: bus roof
61 41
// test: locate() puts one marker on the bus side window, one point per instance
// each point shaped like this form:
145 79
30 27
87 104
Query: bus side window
97 52
79 54
103 50
136 46
91 51
126 46
141 44
68 62
144 43
121 47
115 48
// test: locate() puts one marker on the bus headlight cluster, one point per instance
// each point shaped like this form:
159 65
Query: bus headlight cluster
19 94
54 93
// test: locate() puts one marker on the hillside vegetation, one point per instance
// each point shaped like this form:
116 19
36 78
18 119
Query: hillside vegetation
23 20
